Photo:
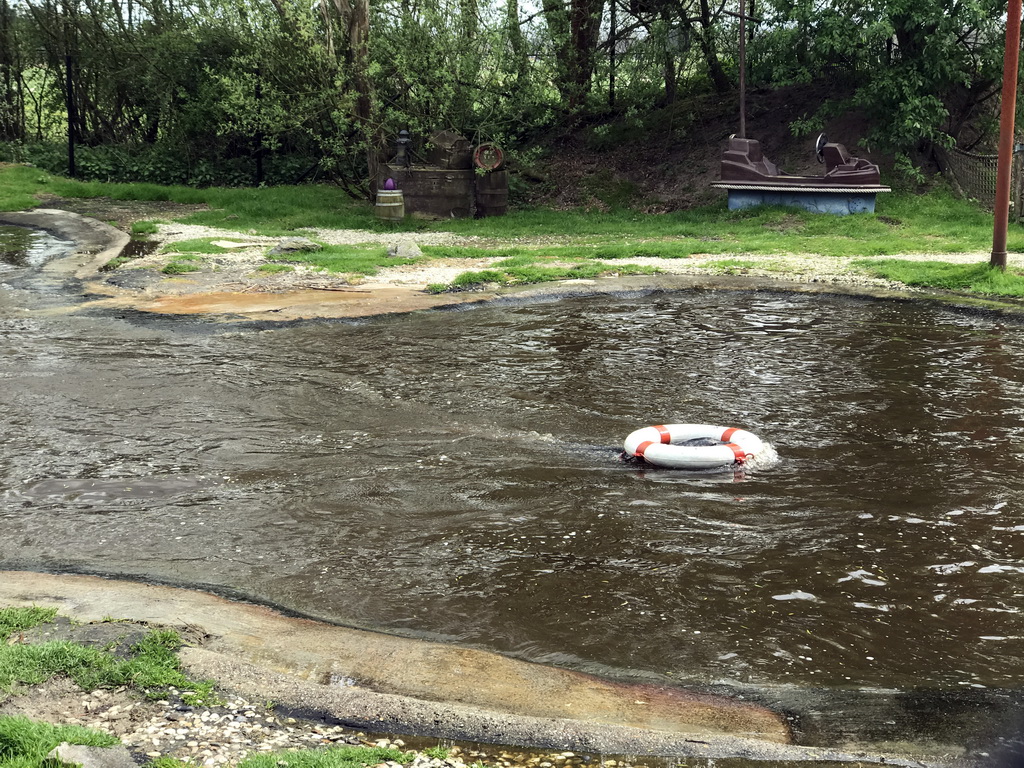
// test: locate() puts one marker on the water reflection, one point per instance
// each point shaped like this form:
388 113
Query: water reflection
22 248
457 476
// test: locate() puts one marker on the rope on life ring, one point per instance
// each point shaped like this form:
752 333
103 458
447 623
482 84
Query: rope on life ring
489 157
662 445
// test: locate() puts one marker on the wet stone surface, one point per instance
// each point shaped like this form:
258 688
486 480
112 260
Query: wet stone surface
116 637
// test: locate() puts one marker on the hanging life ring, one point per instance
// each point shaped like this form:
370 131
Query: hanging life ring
663 446
489 157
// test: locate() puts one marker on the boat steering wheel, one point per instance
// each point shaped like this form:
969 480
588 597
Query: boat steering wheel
819 147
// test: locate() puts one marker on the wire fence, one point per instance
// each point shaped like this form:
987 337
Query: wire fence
974 176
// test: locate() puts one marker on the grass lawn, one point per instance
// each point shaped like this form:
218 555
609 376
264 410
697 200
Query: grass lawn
25 743
968 278
537 244
153 666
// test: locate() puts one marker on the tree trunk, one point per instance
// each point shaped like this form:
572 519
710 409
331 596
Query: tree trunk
707 46
12 124
574 31
359 58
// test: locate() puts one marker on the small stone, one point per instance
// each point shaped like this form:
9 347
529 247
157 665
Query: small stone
405 250
295 245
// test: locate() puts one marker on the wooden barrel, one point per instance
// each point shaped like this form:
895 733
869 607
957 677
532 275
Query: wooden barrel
390 205
492 194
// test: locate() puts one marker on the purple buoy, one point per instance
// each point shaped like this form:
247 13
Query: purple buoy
390 184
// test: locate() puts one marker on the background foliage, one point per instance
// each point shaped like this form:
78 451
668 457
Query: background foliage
237 92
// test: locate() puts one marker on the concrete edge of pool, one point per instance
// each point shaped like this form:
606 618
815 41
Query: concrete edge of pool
422 688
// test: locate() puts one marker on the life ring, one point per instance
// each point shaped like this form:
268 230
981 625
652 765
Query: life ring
489 157
660 445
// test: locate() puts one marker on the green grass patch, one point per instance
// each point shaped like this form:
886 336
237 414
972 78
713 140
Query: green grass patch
25 743
514 272
358 259
664 249
731 266
168 762
181 267
116 262
20 185
277 211
145 227
336 757
14 620
199 245
265 210
188 255
153 667
975 278
275 269
904 223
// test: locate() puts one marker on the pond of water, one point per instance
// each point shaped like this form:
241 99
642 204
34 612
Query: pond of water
456 475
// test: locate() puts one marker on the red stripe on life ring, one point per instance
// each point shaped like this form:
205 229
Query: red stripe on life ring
741 455
643 447
727 435
666 436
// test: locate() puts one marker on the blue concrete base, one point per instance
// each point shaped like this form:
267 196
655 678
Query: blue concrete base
836 203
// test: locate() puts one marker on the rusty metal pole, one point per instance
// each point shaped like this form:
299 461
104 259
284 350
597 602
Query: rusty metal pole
743 68
1007 109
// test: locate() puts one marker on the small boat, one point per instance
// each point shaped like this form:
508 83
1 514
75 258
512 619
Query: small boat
849 184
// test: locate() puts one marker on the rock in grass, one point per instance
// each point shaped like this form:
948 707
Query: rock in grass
295 245
92 757
404 250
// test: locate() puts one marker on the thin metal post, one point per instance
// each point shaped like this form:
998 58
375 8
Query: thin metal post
72 114
1007 109
743 70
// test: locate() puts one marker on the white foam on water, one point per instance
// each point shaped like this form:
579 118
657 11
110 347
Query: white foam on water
871 606
766 459
947 568
1001 569
796 595
863 576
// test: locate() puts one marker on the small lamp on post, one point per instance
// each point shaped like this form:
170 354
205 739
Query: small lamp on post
402 143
